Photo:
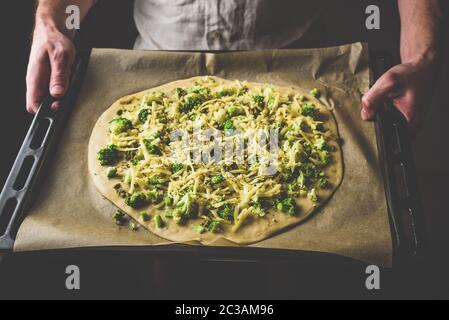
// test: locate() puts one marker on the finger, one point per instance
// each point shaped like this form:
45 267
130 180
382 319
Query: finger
38 76
55 105
61 61
378 94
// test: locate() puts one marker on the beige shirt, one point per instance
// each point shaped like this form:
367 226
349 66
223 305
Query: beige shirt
222 24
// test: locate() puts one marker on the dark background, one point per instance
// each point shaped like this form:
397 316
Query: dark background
122 275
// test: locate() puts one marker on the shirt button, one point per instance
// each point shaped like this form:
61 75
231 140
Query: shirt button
215 35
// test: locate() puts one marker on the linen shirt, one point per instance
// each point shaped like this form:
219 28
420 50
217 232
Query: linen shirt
222 24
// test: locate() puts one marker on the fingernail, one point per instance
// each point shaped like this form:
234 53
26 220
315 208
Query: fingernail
57 89
365 115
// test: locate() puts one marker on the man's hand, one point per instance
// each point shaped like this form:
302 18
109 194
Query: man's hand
407 86
52 55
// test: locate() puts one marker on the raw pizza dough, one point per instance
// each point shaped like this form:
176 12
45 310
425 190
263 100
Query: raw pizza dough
258 228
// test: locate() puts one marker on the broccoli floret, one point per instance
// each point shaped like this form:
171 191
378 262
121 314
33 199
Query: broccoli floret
119 218
321 144
287 206
186 208
168 214
199 229
315 93
272 103
111 172
214 226
120 125
308 110
320 127
228 125
259 209
202 91
145 217
151 148
135 161
168 201
153 196
179 93
109 155
194 117
323 183
133 226
143 115
325 158
157 180
259 100
217 179
234 111
309 170
159 222
190 102
223 92
137 200
176 167
227 212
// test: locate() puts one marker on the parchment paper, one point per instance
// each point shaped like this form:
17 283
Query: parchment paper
70 212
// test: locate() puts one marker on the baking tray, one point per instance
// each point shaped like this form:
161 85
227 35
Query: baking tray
396 163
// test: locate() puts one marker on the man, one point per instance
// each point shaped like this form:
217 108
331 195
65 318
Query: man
242 25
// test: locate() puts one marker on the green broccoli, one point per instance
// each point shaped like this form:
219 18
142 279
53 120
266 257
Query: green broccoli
259 100
151 148
145 217
190 102
168 201
119 218
228 125
194 116
111 172
223 92
133 226
143 115
168 214
226 212
120 125
137 200
272 103
109 155
139 157
159 222
214 226
176 167
259 209
323 183
315 93
187 206
199 229
287 206
234 111
309 170
153 196
308 110
217 179
180 93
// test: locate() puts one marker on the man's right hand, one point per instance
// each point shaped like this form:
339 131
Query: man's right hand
51 58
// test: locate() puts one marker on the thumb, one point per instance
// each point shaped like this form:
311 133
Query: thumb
60 72
380 92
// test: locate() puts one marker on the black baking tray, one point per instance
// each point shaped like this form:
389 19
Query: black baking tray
395 158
